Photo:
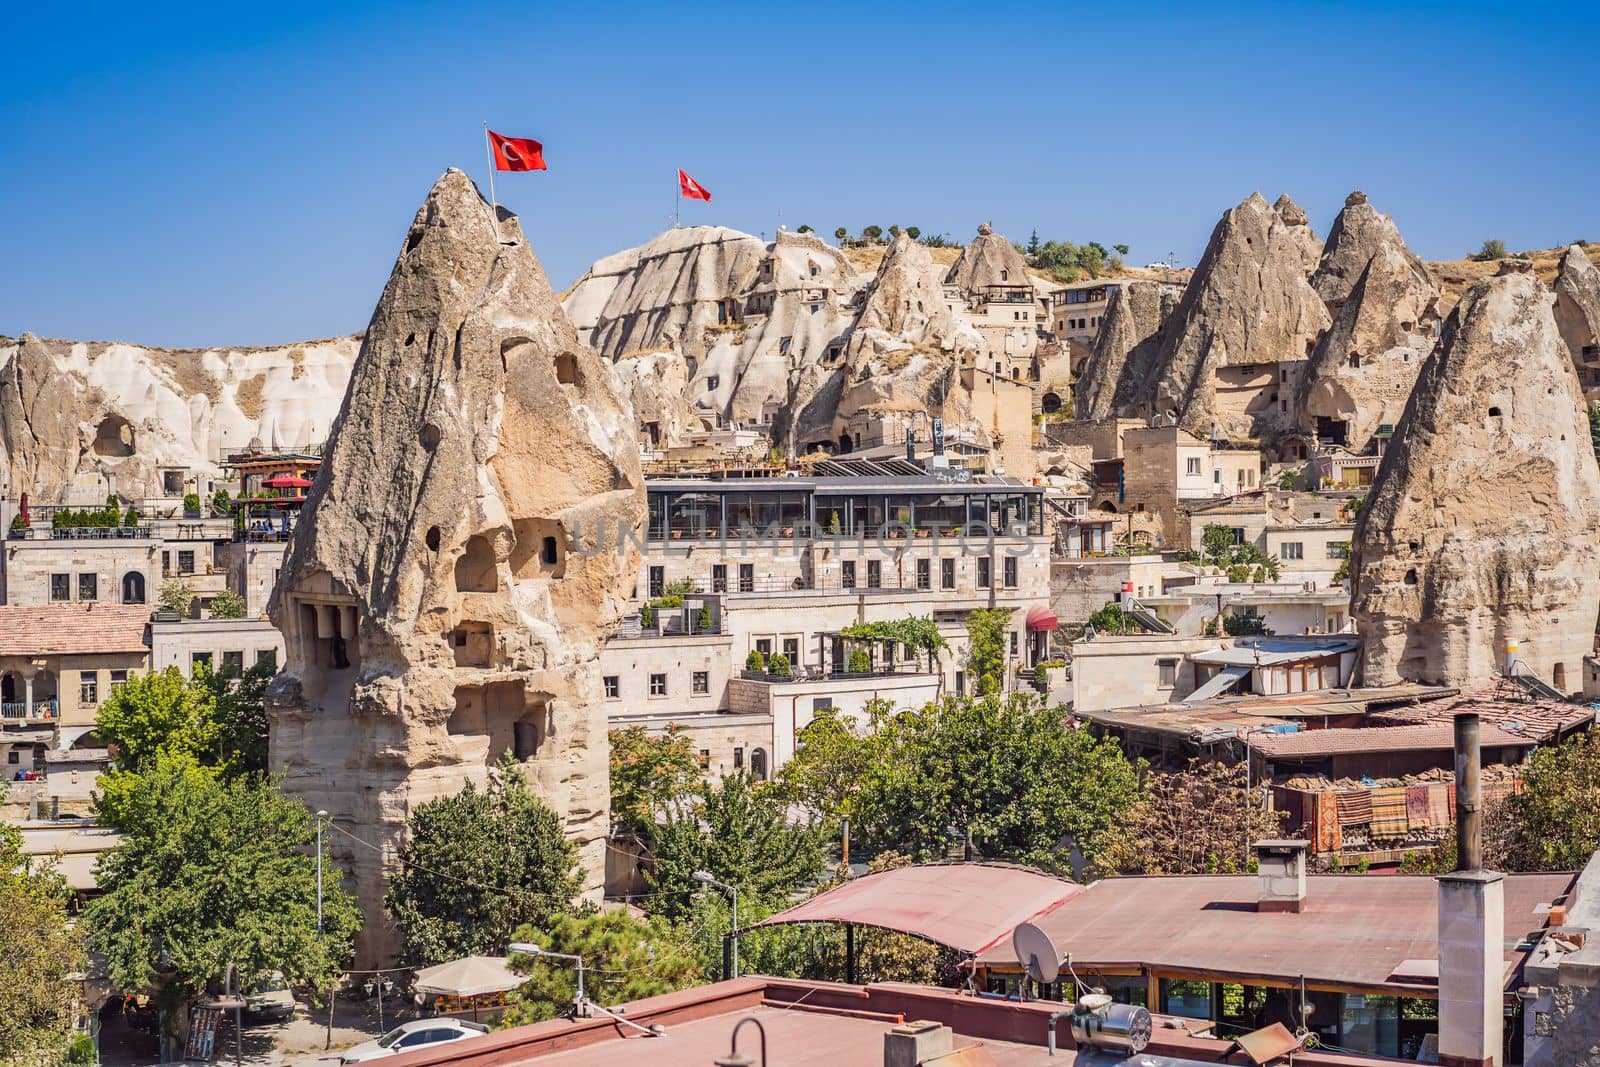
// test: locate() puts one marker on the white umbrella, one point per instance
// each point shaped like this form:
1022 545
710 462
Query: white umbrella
470 977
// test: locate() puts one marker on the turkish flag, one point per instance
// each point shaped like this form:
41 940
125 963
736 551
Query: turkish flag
692 189
516 153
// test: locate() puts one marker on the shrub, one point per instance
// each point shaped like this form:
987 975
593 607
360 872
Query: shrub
130 517
755 661
17 523
1492 249
860 662
779 665
176 595
227 605
647 616
191 502
702 618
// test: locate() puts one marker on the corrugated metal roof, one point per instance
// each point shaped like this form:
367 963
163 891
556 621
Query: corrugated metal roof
967 906
1421 737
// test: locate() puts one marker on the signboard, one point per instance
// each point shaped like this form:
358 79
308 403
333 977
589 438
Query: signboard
938 437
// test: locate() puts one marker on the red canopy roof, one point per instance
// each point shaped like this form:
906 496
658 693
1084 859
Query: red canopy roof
1042 618
968 906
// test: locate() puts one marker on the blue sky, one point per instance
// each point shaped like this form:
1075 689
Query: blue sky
216 175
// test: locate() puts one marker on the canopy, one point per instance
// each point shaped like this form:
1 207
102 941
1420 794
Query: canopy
1042 618
473 976
286 481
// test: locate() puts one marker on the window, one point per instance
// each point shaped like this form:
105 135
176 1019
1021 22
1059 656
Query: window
847 574
13 756
61 587
874 573
712 381
658 581
268 658
613 686
1216 476
985 572
658 685
738 758
791 650
133 588
89 687
1009 571
705 759
1013 642
758 764
764 646
924 574
1168 670
702 682
1238 535
1193 464
198 659
821 704
525 735
118 679
186 562
947 574
1338 550
747 577
1292 550
961 683
233 661
719 577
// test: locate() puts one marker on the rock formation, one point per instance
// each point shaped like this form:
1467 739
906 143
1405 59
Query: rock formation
1364 366
1483 524
434 606
1358 232
80 420
1298 224
656 386
1247 322
989 260
1117 375
1577 311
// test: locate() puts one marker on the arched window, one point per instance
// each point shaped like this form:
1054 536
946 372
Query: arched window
758 764
133 588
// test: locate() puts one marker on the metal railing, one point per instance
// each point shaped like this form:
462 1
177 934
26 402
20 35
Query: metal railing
43 710
81 533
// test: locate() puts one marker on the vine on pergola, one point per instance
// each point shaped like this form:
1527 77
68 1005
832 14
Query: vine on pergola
912 632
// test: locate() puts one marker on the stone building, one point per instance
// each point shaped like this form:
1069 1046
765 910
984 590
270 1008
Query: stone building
461 557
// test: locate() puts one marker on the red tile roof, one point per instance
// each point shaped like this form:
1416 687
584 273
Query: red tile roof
967 906
1537 720
1418 737
1355 929
72 629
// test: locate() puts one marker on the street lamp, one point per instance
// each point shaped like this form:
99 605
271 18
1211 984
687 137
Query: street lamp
522 948
730 951
320 816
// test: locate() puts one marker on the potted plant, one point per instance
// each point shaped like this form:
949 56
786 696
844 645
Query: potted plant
778 666
18 527
191 505
860 662
702 618
755 661
647 617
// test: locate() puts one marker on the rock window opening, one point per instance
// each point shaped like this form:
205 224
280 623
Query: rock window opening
113 437
539 550
430 436
414 238
1050 403
472 644
475 570
566 369
1355 360
433 539
411 339
1411 576
1494 413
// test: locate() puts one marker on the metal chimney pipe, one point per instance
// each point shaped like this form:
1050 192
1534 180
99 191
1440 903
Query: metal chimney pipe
1469 795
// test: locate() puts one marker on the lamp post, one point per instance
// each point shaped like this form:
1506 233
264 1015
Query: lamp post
522 948
730 951
320 816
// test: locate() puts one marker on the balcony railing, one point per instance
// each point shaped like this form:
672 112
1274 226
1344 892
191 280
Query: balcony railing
44 710
81 533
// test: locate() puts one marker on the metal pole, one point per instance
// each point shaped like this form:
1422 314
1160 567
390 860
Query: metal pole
735 939
1469 800
333 993
320 816
850 953
378 986
488 150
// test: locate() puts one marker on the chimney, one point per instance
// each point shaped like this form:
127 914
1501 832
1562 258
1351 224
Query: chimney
915 1043
1281 865
1471 928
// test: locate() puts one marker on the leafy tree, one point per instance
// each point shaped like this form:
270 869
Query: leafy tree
779 666
913 632
624 959
702 618
1033 244
227 605
840 234
1554 821
806 229
831 755
860 661
1110 619
175 595
741 833
1242 561
872 233
986 647
894 231
478 865
1003 773
191 503
1492 249
37 992
913 232
1121 250
212 871
239 713
647 773
217 718
220 502
1197 821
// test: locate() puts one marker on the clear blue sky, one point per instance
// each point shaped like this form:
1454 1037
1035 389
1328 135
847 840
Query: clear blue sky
244 174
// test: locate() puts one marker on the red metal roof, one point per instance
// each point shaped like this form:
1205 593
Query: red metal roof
968 906
72 629
1355 930
1421 737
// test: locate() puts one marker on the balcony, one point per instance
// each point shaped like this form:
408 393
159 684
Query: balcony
43 711
81 533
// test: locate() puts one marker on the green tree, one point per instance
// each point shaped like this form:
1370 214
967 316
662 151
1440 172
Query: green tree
161 711
1032 249
227 605
914 233
1121 250
1554 823
740 832
872 233
37 992
624 959
894 231
824 776
1110 619
1594 428
1240 560
239 714
986 647
1197 821
1492 249
840 234
191 503
647 773
1003 773
212 872
476 866
175 595
806 229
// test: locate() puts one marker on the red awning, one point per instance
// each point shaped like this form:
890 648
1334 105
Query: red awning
1042 618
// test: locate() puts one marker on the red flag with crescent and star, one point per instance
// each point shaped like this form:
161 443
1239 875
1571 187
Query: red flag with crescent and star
692 189
516 153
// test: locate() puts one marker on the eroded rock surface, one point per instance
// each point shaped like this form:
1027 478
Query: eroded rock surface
988 261
1483 524
1247 322
433 612
1357 234
1577 311
1117 376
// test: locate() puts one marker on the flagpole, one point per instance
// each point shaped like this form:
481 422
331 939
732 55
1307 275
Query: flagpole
677 199
488 151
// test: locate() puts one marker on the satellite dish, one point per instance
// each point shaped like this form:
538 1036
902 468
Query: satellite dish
1036 952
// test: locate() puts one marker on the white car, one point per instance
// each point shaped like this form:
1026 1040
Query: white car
408 1037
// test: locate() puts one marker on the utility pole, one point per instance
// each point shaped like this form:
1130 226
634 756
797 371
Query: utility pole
320 816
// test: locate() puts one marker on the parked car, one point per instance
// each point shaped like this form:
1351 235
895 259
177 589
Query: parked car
269 998
413 1035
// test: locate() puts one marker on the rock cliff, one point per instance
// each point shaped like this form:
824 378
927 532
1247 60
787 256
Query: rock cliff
1247 320
82 419
434 609
1483 524
1116 376
989 260
1577 311
1364 366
